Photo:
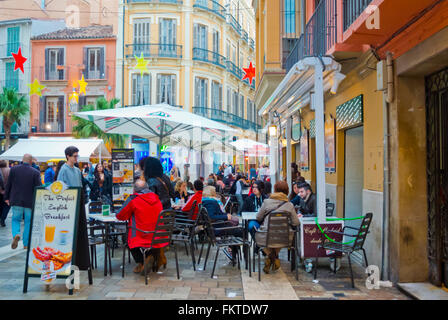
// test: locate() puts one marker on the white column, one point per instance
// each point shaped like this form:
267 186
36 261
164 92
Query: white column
187 63
273 150
288 152
320 140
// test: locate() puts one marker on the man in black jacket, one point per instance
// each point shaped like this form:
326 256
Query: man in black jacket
19 195
307 206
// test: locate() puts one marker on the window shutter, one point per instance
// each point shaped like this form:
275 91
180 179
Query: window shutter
102 64
42 112
159 88
61 113
220 107
174 40
47 63
173 90
61 63
86 63
195 36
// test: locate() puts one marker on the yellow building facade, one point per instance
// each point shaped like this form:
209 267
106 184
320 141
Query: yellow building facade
196 51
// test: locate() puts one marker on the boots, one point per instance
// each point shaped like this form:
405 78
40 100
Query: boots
276 261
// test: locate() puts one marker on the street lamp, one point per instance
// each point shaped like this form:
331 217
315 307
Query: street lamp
272 130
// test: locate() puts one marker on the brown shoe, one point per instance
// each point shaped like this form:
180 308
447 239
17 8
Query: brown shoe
267 265
138 268
15 242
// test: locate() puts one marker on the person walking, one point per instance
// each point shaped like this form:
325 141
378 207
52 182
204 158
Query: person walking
72 177
19 194
4 207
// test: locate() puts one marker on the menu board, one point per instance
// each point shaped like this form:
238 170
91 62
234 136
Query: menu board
53 230
311 237
122 175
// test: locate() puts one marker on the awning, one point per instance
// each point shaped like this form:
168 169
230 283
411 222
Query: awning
44 149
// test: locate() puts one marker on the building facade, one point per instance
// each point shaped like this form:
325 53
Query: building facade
15 34
388 116
59 60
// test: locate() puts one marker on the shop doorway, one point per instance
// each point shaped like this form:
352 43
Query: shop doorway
354 177
437 168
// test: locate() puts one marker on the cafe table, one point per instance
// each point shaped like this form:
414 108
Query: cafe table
107 222
246 217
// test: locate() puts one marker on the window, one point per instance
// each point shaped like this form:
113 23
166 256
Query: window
52 105
168 41
200 41
11 77
141 37
141 91
290 16
216 95
216 41
241 105
54 64
228 50
233 54
166 89
251 112
94 63
13 40
235 103
229 100
54 114
201 88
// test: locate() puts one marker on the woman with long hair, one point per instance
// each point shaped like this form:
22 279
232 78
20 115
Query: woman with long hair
58 168
158 183
102 185
180 190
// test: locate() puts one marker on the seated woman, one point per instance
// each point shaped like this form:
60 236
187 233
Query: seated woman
253 203
180 190
142 210
216 214
278 202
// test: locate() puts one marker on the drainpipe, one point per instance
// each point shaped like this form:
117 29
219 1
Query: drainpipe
387 99
303 18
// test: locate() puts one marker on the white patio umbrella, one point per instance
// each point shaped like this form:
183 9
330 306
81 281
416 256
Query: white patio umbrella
154 122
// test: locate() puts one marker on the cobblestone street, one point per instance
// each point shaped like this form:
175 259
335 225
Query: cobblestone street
230 283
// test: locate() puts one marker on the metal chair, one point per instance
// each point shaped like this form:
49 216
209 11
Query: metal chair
224 240
161 236
350 247
277 236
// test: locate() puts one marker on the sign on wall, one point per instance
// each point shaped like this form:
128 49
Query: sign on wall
304 151
53 232
330 146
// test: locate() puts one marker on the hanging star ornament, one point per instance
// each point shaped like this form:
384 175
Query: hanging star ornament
82 85
36 88
74 97
250 73
142 64
20 60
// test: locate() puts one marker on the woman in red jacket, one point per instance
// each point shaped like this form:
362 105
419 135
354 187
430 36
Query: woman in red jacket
142 210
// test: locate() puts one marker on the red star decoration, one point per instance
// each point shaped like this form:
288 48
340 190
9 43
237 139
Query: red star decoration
20 60
250 73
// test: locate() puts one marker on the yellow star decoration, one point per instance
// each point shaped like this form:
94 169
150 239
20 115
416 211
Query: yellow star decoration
82 85
74 96
36 88
142 64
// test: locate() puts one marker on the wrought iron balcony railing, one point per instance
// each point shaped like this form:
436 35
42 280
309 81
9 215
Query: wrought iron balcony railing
154 50
245 35
211 6
227 118
252 43
235 25
209 56
352 10
320 34
51 127
233 69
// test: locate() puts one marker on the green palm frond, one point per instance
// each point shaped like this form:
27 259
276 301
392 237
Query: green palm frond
87 129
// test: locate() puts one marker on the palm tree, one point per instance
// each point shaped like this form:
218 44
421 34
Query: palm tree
86 129
12 108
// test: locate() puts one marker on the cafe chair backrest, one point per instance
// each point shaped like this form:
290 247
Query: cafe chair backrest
207 222
95 207
278 230
164 227
362 232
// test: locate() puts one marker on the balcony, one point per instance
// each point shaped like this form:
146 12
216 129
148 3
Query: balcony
352 10
179 2
233 69
227 118
211 6
320 34
251 43
154 50
209 56
245 36
60 74
17 84
235 25
95 75
17 130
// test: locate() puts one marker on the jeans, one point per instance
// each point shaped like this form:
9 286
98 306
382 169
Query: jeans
17 213
239 197
252 224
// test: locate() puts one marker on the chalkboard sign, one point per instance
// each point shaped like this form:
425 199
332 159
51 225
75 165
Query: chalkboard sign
311 237
54 225
122 175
